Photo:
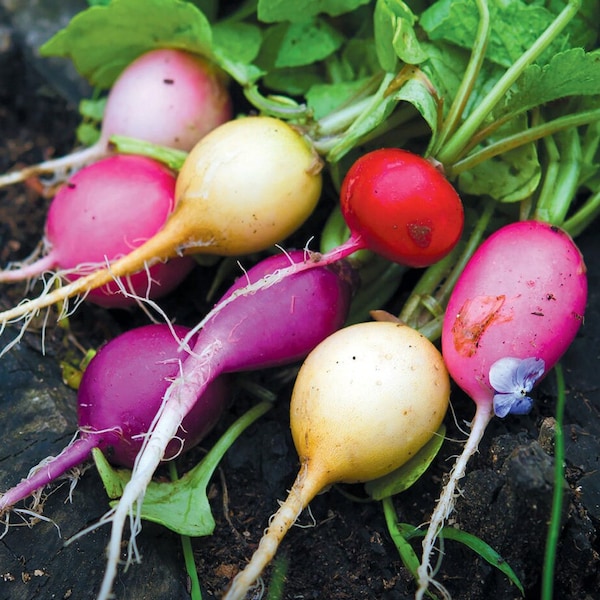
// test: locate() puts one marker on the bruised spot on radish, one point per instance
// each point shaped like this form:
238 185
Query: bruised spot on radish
473 319
420 233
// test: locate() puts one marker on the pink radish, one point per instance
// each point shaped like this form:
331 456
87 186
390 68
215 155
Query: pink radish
513 313
120 393
167 97
277 324
244 187
102 213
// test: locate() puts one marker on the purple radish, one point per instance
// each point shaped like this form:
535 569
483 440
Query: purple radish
513 313
167 97
102 213
275 325
120 393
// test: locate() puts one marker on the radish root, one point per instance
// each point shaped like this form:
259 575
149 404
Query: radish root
445 504
305 488
61 168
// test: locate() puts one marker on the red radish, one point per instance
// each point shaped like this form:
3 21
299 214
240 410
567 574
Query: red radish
514 311
244 187
365 401
167 97
277 324
120 393
402 207
102 213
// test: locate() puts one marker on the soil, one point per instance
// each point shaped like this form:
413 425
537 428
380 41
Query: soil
343 551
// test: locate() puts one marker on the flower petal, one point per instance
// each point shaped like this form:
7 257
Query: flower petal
529 371
514 404
503 375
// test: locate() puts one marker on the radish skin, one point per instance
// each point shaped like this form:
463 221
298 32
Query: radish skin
365 401
104 211
244 187
277 325
517 305
120 392
167 97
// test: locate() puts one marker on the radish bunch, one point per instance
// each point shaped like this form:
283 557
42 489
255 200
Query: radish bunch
167 97
277 324
514 311
244 187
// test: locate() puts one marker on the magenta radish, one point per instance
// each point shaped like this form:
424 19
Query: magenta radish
244 187
365 401
102 213
120 394
275 325
514 311
167 97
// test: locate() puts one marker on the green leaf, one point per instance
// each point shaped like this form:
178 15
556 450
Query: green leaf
103 40
416 93
271 11
515 26
484 550
180 505
509 177
402 478
570 73
235 47
408 531
395 35
299 44
324 98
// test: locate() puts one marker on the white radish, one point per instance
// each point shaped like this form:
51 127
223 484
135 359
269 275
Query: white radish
365 401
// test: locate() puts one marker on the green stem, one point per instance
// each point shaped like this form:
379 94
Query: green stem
520 139
552 207
557 497
468 81
281 107
452 151
426 285
575 224
407 554
188 553
472 245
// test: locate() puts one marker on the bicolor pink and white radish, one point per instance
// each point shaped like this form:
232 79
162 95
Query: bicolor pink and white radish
513 313
166 96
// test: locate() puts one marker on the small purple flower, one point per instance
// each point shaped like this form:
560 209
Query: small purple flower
512 378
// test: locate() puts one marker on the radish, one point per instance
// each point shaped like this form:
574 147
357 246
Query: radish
103 212
398 205
167 97
120 393
401 207
277 324
244 187
514 311
365 401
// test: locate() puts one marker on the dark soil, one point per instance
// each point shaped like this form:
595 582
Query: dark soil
348 553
